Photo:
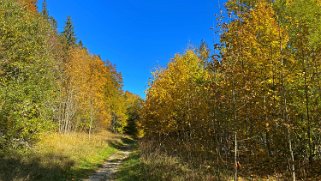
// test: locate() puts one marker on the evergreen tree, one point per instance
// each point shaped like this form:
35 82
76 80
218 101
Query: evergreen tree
69 32
53 22
45 14
81 44
44 11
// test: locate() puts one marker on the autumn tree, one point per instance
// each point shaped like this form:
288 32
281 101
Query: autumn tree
176 108
30 4
27 79
259 96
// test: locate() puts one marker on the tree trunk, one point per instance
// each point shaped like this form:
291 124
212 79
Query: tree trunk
292 156
235 158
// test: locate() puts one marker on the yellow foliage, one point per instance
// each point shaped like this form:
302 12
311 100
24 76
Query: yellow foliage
96 89
174 93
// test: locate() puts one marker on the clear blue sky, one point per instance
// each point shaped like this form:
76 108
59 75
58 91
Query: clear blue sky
138 35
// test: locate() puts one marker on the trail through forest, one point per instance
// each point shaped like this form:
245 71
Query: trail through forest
108 170
247 106
110 167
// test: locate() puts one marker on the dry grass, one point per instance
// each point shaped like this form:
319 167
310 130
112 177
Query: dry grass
59 157
160 167
75 146
163 167
152 164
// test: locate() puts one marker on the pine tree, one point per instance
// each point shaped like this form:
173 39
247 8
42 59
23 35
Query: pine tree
81 44
44 11
45 14
69 32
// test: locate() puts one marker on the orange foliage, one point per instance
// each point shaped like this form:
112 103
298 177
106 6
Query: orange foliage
31 4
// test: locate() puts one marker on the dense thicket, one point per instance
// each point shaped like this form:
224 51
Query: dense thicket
256 104
49 82
27 79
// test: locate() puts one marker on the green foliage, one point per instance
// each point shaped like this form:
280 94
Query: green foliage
27 82
48 82
134 105
302 17
69 32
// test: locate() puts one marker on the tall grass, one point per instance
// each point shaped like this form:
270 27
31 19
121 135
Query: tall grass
58 157
160 167
151 164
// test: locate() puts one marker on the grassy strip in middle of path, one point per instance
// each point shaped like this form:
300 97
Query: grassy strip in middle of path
131 169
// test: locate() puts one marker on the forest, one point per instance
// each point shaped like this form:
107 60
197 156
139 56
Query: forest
50 81
51 84
245 108
250 108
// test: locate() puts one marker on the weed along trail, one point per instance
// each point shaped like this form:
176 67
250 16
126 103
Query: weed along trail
108 170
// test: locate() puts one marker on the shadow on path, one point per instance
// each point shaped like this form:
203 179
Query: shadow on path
15 167
125 144
53 167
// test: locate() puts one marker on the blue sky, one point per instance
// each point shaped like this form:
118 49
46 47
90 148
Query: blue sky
138 35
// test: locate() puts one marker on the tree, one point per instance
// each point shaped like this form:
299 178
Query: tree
259 97
69 32
44 11
176 109
30 4
27 79
204 52
46 15
133 107
302 20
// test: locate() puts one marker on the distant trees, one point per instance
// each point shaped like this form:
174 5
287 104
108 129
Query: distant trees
133 107
91 86
91 90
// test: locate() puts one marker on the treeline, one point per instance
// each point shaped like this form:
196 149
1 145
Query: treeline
50 81
251 107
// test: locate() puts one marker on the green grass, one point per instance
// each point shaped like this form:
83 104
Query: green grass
58 157
88 165
131 169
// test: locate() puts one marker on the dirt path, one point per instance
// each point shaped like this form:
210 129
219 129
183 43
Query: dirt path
107 171
110 167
